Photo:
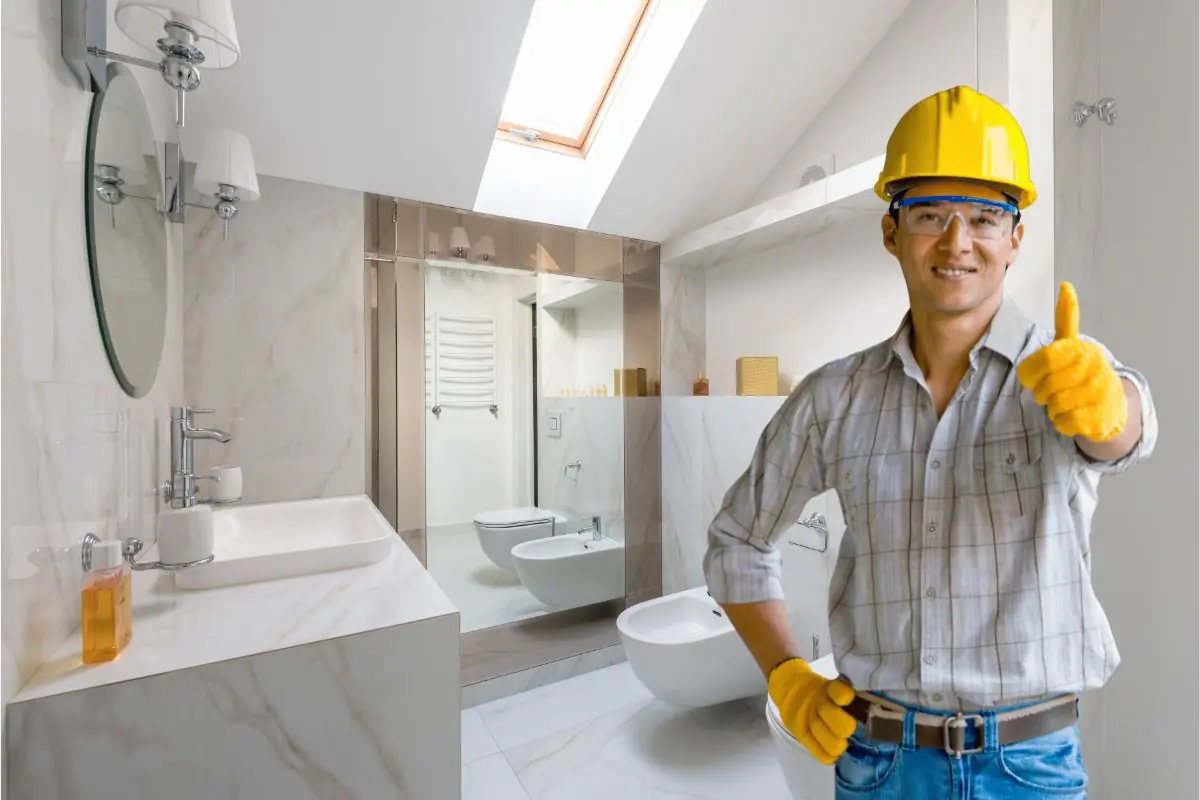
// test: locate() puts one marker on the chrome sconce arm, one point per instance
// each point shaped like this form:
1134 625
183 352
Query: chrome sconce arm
108 185
170 27
175 188
225 170
181 58
226 207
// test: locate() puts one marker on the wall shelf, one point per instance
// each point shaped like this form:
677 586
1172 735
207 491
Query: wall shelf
796 215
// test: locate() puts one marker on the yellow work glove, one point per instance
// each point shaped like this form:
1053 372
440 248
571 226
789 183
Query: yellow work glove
1072 378
810 707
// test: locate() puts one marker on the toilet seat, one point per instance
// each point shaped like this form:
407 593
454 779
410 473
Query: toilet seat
502 529
515 517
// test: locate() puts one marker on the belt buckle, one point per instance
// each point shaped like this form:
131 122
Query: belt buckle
954 734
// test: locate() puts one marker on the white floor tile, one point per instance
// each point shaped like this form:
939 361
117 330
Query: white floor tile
484 594
653 751
522 718
477 742
491 778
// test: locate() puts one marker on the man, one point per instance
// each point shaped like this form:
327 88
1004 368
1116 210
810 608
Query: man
966 452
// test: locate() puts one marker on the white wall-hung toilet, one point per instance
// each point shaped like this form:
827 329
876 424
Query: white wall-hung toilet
501 530
806 778
686 652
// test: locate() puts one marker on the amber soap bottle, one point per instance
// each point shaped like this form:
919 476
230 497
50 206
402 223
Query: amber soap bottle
107 612
700 387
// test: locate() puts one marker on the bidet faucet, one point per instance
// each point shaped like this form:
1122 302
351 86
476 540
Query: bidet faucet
594 528
180 490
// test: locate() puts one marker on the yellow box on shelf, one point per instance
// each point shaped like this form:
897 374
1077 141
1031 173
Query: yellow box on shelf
630 382
758 376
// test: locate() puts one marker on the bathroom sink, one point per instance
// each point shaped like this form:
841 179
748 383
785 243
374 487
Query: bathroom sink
268 541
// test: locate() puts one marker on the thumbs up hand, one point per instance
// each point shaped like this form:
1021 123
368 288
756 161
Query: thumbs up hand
1073 379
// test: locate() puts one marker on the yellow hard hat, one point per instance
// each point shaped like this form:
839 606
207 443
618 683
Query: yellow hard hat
959 133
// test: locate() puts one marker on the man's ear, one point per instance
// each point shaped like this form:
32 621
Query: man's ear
889 229
1014 244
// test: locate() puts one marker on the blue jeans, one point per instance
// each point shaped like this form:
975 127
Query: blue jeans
1049 766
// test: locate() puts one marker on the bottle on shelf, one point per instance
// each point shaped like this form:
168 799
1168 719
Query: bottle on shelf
107 604
700 387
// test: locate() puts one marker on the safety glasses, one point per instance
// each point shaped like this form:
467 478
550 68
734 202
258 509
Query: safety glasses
982 219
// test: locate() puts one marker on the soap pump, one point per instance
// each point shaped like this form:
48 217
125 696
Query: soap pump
107 607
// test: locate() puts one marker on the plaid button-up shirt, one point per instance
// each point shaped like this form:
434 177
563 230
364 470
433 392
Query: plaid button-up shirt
963 580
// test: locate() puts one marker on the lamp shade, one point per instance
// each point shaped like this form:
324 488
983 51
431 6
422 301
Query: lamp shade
459 239
211 20
485 248
227 159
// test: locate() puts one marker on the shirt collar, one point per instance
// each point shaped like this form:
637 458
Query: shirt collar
1006 336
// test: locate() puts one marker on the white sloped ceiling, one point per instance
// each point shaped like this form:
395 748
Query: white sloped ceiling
402 97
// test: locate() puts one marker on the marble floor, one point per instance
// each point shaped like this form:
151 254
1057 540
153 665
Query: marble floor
484 594
602 735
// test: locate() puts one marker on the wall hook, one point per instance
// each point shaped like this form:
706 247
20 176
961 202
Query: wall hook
1105 109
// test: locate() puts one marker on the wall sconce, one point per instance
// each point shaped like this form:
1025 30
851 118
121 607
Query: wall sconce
485 249
109 186
225 170
460 244
187 33
433 247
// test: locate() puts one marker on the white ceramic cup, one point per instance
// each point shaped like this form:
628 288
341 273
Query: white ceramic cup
185 534
226 483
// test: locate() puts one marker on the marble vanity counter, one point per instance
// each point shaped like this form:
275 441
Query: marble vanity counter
339 684
175 629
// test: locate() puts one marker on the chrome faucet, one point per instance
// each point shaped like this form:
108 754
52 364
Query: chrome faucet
180 490
594 528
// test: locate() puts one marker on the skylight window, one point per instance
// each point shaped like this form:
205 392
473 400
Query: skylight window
570 58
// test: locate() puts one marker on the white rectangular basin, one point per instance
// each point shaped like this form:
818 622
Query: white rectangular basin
268 541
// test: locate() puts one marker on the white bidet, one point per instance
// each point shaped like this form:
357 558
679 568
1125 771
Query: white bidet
686 652
571 570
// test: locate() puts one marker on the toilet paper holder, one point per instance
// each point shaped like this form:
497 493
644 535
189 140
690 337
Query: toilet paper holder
130 547
815 522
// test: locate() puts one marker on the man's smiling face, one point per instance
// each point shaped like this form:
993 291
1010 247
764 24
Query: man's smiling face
953 253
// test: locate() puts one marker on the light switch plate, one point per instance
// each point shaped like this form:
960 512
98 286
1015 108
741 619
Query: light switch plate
555 426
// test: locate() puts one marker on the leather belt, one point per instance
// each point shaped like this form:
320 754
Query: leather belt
885 722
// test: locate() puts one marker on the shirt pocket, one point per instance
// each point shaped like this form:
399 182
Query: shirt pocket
876 492
1008 474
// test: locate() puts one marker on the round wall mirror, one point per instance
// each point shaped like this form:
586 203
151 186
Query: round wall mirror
126 231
